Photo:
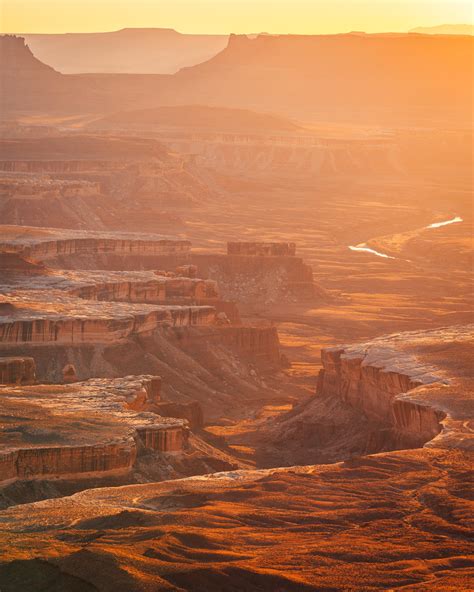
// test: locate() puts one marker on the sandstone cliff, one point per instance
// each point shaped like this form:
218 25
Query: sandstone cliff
391 393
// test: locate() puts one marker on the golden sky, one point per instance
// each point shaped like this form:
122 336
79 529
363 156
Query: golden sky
226 16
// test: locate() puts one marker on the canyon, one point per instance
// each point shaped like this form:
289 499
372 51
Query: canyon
175 533
208 379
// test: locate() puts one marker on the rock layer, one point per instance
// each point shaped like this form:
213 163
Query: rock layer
395 382
83 429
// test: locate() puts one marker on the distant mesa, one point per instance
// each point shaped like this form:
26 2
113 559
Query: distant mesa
445 30
131 51
381 79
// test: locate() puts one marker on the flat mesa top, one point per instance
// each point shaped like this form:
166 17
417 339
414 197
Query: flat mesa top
83 413
30 235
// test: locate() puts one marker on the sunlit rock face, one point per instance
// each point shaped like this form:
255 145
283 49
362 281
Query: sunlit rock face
93 306
46 244
41 319
399 391
88 428
402 382
86 322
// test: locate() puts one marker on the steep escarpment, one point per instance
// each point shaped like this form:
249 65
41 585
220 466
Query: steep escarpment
96 182
39 319
309 154
17 370
372 381
79 324
394 392
380 74
49 243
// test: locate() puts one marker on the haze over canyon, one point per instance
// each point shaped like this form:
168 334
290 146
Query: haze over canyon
236 311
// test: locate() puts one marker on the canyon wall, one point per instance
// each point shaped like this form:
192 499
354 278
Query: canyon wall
172 290
99 327
46 250
373 385
262 249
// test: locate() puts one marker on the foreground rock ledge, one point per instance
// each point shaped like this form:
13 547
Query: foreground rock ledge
83 429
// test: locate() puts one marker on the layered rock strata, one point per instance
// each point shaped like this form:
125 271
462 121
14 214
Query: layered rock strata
97 427
406 390
45 317
46 244
399 382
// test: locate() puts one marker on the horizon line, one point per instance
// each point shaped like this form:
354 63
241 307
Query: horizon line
261 33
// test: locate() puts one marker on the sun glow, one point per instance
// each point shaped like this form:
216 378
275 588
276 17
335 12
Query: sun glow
226 16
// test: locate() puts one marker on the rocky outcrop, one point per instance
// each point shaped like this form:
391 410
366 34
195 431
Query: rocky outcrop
258 278
11 262
395 384
259 344
148 287
119 286
98 427
396 392
17 370
371 380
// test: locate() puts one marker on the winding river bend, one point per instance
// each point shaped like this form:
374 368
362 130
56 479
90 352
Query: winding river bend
363 248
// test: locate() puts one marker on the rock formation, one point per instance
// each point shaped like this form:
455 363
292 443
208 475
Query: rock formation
95 182
394 392
83 429
82 323
404 515
381 89
46 244
259 273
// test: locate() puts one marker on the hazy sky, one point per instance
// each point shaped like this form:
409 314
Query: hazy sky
226 16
